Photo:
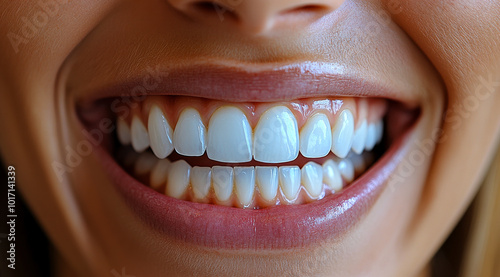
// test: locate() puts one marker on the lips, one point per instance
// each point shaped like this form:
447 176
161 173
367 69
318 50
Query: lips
273 227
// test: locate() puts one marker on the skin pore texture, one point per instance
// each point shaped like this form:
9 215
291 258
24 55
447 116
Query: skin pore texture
436 55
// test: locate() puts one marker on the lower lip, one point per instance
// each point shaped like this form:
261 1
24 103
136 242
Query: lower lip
279 227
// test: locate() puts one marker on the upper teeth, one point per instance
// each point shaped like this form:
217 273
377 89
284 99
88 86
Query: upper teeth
230 138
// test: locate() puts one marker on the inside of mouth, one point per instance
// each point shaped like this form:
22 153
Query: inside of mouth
248 155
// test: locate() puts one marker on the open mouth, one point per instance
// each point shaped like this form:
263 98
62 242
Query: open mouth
250 155
243 174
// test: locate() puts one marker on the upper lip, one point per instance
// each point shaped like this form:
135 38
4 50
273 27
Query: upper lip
247 83
276 227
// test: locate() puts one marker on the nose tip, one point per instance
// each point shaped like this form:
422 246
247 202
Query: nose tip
257 16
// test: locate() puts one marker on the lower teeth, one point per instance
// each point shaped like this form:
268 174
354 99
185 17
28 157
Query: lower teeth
246 186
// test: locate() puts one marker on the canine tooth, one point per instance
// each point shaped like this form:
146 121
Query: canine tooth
229 136
267 181
276 136
342 134
312 178
332 176
289 177
123 131
379 126
178 178
201 178
222 180
371 137
346 169
159 174
190 134
145 163
160 133
316 137
359 139
139 135
244 178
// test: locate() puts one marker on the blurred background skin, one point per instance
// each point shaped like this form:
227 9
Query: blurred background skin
456 44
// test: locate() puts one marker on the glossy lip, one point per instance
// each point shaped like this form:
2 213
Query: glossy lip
279 227
247 83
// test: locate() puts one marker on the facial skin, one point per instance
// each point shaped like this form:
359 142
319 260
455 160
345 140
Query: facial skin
437 53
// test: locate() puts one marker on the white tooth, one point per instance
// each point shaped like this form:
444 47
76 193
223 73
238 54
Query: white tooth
201 178
145 163
178 178
160 133
358 162
159 174
346 169
190 134
267 181
342 134
140 138
276 136
244 178
359 139
289 181
229 136
222 180
380 130
371 137
316 137
312 178
123 131
332 176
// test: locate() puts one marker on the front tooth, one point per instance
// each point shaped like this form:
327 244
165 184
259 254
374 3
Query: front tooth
267 181
201 178
346 169
140 138
332 176
316 137
342 134
160 133
371 137
190 134
289 181
312 178
229 136
178 178
244 178
123 131
159 174
276 136
145 163
359 139
222 180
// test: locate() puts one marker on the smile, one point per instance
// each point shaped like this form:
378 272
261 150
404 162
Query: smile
232 171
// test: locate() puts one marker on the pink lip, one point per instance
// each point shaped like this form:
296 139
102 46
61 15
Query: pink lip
244 84
279 227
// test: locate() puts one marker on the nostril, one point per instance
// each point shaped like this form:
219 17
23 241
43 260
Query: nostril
309 9
212 8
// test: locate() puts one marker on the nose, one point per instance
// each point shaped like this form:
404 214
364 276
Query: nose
257 16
